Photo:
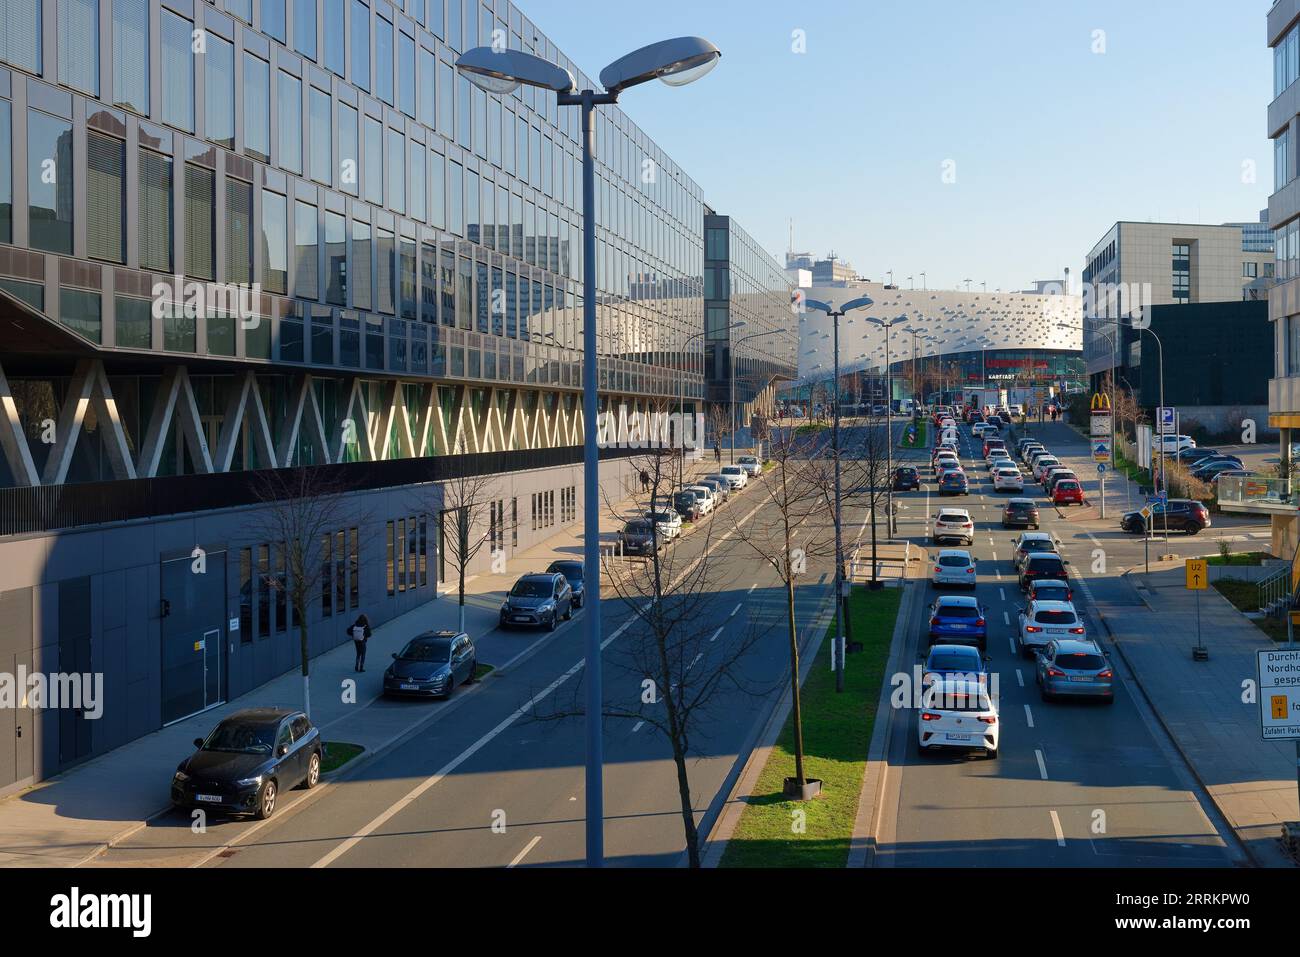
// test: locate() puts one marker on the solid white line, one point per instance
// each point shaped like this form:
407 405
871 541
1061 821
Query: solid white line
637 727
1012 642
1042 765
1002 594
524 853
752 587
700 654
1056 826
1006 618
715 634
1020 679
1029 714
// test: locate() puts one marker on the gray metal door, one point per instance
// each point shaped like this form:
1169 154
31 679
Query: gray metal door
193 628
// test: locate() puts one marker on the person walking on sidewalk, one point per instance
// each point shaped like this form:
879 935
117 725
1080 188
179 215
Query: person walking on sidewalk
645 481
360 632
717 453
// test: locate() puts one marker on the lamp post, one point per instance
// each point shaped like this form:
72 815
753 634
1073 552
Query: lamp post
681 392
889 417
840 610
732 378
500 70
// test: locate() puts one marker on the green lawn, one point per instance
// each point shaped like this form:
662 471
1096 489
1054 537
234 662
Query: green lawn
337 754
1245 595
837 732
919 441
1240 558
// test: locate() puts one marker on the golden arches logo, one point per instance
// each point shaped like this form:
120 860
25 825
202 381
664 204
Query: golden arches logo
1100 400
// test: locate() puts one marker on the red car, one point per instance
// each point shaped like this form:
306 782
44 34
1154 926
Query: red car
1067 491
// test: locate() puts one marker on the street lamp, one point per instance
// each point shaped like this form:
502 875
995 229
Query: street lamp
732 377
837 652
681 388
889 415
500 70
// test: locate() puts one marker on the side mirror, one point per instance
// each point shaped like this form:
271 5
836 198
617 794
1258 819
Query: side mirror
1065 563
394 654
282 750
198 742
988 658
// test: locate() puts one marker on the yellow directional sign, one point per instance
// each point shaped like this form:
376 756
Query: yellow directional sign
1198 574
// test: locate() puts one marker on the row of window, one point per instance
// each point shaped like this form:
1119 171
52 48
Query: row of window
265 586
408 542
1286 61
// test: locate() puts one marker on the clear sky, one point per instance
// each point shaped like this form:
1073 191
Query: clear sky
1050 142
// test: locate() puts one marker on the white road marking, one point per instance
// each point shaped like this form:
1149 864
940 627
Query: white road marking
715 635
1006 618
1029 714
1042 765
635 728
1020 679
736 609
700 654
752 587
1002 595
1056 826
524 853
1012 642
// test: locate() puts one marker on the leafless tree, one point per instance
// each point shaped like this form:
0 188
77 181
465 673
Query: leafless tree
299 511
865 479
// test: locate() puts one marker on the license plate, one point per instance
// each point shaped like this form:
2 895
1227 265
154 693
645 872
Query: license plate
958 627
520 618
210 798
410 687
1080 677
1056 631
958 737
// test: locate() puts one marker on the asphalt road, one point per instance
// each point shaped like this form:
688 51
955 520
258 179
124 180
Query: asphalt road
1076 784
487 783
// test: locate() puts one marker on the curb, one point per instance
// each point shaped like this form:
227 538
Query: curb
1243 846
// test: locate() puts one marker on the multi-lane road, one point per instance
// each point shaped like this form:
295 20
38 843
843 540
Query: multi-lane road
1076 784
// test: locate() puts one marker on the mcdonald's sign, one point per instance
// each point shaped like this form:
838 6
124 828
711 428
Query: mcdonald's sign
1100 402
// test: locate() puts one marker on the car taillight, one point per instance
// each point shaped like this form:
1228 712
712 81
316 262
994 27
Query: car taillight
970 571
967 525
1032 628
1055 673
930 716
934 622
989 718
1106 674
1076 631
979 622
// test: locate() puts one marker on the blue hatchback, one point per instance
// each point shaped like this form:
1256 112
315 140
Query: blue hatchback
953 483
954 661
958 620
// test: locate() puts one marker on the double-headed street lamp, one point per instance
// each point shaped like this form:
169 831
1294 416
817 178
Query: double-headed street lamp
889 417
681 392
731 353
840 610
500 70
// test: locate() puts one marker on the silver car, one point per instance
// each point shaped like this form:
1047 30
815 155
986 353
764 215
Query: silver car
1075 668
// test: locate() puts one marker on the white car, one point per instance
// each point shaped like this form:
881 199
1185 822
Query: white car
946 460
1044 464
707 498
734 481
1015 410
736 471
1003 463
1053 471
668 521
1044 621
750 464
1173 444
1008 480
979 428
954 566
953 523
1029 451
957 713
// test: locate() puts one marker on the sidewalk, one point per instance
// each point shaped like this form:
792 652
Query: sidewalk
1251 781
77 814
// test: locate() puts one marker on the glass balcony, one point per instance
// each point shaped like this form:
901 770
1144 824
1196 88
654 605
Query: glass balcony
1252 493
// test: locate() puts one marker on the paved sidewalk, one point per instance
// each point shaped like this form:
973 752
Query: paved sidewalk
1251 781
77 814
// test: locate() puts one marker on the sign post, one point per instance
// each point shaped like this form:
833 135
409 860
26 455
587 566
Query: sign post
1102 431
1197 571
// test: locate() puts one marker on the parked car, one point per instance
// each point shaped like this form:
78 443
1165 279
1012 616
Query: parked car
734 481
1050 589
688 506
1183 514
1029 542
954 566
953 523
1008 480
1173 444
1209 469
669 523
1074 668
1067 491
706 495
1020 512
1190 456
573 573
957 713
958 619
1055 476
249 757
953 661
732 472
1042 621
639 537
1027 453
721 488
750 464
1041 465
953 483
906 478
538 600
431 665
1041 565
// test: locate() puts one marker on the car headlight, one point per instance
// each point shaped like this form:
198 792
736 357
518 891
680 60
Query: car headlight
505 606
546 606
181 777
249 782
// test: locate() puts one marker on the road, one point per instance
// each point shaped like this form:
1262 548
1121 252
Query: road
1076 784
488 783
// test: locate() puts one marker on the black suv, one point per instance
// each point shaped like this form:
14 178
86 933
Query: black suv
1185 514
1020 512
638 537
906 479
1042 565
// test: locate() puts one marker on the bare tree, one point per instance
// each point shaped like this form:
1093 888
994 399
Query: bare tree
300 510
718 422
794 506
865 478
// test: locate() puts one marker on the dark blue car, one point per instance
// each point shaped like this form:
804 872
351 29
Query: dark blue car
958 620
953 483
954 661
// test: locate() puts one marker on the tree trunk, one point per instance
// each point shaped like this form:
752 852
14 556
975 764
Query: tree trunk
796 713
688 814
302 646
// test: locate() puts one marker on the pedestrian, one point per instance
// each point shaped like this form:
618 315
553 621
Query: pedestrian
645 481
717 453
360 632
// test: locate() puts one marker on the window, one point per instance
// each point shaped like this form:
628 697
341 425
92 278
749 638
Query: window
390 530
6 173
20 34
239 231
361 271
361 45
396 171
336 259
177 71
437 191
132 322
81 311
347 149
715 244
326 567
373 167
78 35
340 570
1282 159
241 8
305 242
384 60
428 88
275 242
1250 270
200 222
273 20
514 523
455 193
419 207
49 177
257 107
424 549
245 596
354 568
319 114
131 54
289 94
219 91
105 197
384 273
406 73
335 26
304 27
155 211
446 98
281 602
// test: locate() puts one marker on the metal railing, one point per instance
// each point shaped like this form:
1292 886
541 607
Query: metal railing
1255 490
1275 593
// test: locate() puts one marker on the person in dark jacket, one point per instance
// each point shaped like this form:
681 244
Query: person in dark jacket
360 632
645 481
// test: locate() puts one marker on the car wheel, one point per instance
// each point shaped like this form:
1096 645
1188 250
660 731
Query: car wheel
1109 699
922 750
473 667
451 686
550 624
1042 692
1193 528
568 612
266 801
313 772
991 753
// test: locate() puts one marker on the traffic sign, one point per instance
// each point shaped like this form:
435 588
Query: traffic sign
1101 468
1166 416
1279 694
1146 511
1101 450
1198 574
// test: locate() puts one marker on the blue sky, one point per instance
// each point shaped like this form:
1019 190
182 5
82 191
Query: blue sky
1052 143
